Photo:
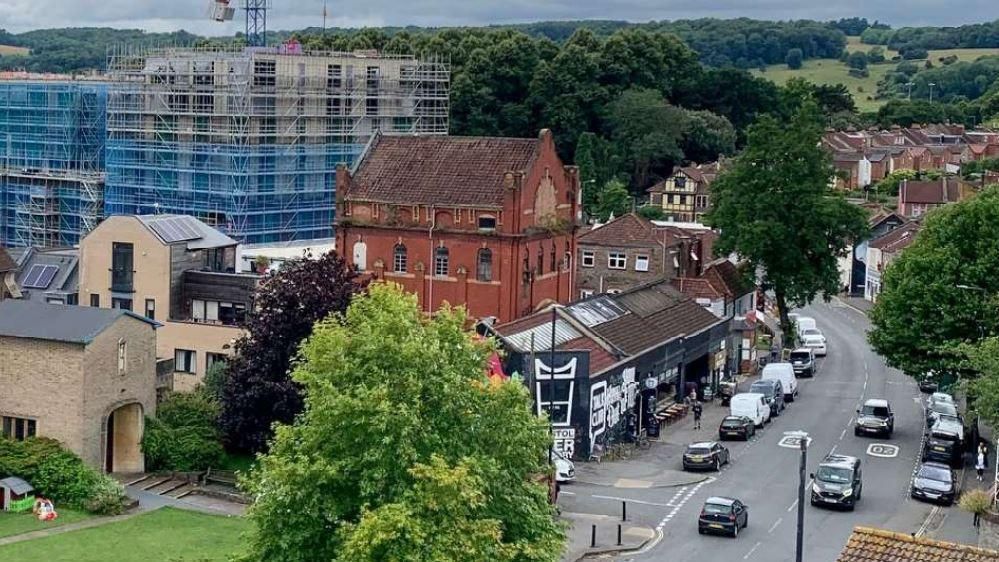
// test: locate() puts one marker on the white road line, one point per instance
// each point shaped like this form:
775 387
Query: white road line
751 551
833 451
926 524
774 526
562 493
793 505
651 544
841 434
629 500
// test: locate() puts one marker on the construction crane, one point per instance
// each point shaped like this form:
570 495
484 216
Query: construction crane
256 18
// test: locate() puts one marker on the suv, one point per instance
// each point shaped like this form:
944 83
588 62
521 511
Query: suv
706 454
772 390
875 417
803 362
945 443
937 409
837 482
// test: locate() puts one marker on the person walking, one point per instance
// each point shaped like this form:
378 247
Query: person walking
697 415
980 463
977 520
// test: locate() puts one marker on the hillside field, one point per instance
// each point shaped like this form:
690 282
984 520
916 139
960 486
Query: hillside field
6 50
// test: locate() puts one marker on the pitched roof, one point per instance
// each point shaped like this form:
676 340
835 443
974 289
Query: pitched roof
627 230
876 545
7 263
697 288
58 322
65 280
172 229
897 239
726 278
16 485
439 169
944 190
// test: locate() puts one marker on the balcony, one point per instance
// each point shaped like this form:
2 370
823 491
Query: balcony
122 281
225 298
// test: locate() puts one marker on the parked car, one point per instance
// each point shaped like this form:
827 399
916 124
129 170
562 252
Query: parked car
815 343
945 443
805 323
935 482
723 515
928 383
784 372
937 409
875 417
939 397
565 471
812 332
752 405
838 482
705 455
803 362
736 426
772 390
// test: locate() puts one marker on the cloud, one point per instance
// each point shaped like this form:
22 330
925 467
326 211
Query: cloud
192 15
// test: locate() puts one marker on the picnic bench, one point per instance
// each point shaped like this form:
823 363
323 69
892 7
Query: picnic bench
668 413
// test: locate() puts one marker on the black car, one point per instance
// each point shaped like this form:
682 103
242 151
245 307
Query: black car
723 515
736 427
773 391
945 443
837 482
803 362
927 384
875 417
935 482
706 454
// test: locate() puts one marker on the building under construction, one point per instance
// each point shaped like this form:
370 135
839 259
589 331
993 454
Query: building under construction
249 139
52 167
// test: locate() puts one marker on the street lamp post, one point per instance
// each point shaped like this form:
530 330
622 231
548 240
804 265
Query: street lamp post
800 540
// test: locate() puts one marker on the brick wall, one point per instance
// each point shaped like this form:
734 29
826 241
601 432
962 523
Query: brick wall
601 278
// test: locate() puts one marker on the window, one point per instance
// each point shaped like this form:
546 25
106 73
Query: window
441 259
484 265
122 356
554 260
399 259
95 301
122 304
680 181
617 260
151 309
585 293
19 428
184 361
487 222
588 258
54 300
540 267
212 358
669 199
121 267
641 263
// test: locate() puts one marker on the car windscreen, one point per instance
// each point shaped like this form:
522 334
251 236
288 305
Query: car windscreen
878 411
943 436
944 408
698 451
764 389
934 473
732 422
800 356
812 341
717 508
834 474
811 332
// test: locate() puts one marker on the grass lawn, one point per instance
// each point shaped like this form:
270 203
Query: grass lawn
6 50
164 534
17 523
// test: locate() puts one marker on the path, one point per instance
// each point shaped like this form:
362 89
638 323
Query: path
85 524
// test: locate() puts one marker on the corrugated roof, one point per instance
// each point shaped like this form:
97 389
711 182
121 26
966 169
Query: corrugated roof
58 322
876 545
542 334
597 310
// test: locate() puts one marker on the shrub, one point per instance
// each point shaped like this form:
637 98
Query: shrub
976 501
857 60
859 73
794 58
184 435
107 497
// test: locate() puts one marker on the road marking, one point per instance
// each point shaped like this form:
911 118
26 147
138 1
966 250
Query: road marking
882 450
751 551
926 524
562 493
774 526
793 505
842 433
629 500
793 442
833 450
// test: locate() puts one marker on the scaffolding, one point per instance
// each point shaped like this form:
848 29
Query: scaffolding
52 160
249 139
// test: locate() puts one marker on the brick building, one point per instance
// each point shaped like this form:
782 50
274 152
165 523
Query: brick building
83 376
489 223
916 198
631 250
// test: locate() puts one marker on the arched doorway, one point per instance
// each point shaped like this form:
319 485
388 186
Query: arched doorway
123 440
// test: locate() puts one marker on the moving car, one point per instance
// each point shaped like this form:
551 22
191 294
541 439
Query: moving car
837 482
875 417
816 343
723 515
736 426
803 362
938 409
935 482
772 390
783 372
705 454
945 443
752 405
565 471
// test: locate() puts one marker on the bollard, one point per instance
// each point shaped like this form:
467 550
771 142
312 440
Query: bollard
593 536
624 511
619 534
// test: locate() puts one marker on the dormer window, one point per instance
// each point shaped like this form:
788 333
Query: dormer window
487 222
680 181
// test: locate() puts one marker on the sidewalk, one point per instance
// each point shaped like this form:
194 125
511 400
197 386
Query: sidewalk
204 504
857 303
633 536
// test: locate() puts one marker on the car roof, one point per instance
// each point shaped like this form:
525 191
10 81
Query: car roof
845 461
935 465
735 418
947 425
801 350
700 444
767 382
941 397
754 395
877 403
720 500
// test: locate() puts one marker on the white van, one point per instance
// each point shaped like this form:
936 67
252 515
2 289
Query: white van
805 323
784 372
752 405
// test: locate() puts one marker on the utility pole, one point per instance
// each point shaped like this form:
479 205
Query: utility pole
910 85
800 541
551 390
324 17
931 91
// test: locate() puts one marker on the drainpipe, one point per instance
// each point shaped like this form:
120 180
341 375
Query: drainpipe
432 262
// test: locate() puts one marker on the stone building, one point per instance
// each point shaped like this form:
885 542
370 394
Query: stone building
488 223
83 376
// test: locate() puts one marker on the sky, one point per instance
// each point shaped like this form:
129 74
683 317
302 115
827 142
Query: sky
192 15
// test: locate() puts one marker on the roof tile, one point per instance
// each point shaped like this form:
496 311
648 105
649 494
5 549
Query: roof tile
876 545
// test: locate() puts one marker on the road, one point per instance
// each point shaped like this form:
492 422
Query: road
764 474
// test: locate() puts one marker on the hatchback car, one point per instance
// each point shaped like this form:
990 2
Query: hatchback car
803 362
736 427
816 343
945 443
837 482
723 515
875 417
935 482
705 455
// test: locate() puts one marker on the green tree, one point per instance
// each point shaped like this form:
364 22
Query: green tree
936 294
983 358
612 199
876 55
774 207
648 131
405 451
857 60
890 184
793 58
652 212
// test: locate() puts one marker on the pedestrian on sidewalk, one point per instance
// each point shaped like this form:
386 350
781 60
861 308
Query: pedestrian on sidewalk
980 463
697 415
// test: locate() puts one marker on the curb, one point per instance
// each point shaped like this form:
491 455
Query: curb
850 306
618 551
654 486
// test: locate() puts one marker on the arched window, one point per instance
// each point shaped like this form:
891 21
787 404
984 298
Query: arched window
360 255
554 258
484 265
541 260
566 258
441 262
399 259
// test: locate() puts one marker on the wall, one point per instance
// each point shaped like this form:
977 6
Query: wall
600 278
200 338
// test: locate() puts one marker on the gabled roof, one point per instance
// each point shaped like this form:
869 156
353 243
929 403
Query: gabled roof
944 190
16 485
175 229
66 277
876 545
7 263
697 288
726 278
58 322
896 239
631 230
439 170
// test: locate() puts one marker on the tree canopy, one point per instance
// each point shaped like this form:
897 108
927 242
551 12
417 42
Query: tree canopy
775 207
936 295
404 451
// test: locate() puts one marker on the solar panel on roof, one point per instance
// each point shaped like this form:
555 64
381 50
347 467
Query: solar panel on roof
184 224
173 229
32 276
39 276
48 274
